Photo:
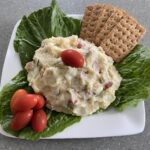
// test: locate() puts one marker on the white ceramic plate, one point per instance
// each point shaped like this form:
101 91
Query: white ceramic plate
106 124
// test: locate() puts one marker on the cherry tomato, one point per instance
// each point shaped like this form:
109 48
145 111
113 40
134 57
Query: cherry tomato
16 96
21 119
39 121
72 58
24 103
40 102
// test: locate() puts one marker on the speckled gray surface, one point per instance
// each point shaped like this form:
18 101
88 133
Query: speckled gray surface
10 12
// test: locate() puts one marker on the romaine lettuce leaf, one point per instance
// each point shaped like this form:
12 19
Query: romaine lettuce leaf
135 71
44 23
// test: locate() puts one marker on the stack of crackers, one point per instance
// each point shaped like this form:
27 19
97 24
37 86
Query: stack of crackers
111 28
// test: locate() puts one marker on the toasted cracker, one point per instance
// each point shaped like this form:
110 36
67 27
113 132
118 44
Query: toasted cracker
85 21
108 26
97 11
123 38
102 20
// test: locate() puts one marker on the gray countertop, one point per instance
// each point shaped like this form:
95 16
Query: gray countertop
11 11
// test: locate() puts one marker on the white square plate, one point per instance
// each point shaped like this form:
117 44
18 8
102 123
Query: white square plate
105 124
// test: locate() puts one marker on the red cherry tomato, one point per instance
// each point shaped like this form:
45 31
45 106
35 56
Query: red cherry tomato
21 119
24 103
72 58
40 102
39 121
16 96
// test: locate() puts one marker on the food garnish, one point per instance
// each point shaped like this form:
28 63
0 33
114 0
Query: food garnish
39 120
72 58
22 105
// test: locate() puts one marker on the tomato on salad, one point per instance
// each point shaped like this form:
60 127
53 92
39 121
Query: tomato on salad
72 58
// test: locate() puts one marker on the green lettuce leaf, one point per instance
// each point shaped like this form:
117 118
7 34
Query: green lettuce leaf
57 122
135 71
42 24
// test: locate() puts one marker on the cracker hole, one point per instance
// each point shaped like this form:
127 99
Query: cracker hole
123 33
91 25
119 38
132 41
124 50
140 30
106 45
132 24
120 46
111 40
98 30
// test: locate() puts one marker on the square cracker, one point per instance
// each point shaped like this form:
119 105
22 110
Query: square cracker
97 11
123 38
102 19
85 21
115 17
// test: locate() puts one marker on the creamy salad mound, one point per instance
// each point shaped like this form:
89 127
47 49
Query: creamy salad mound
77 91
